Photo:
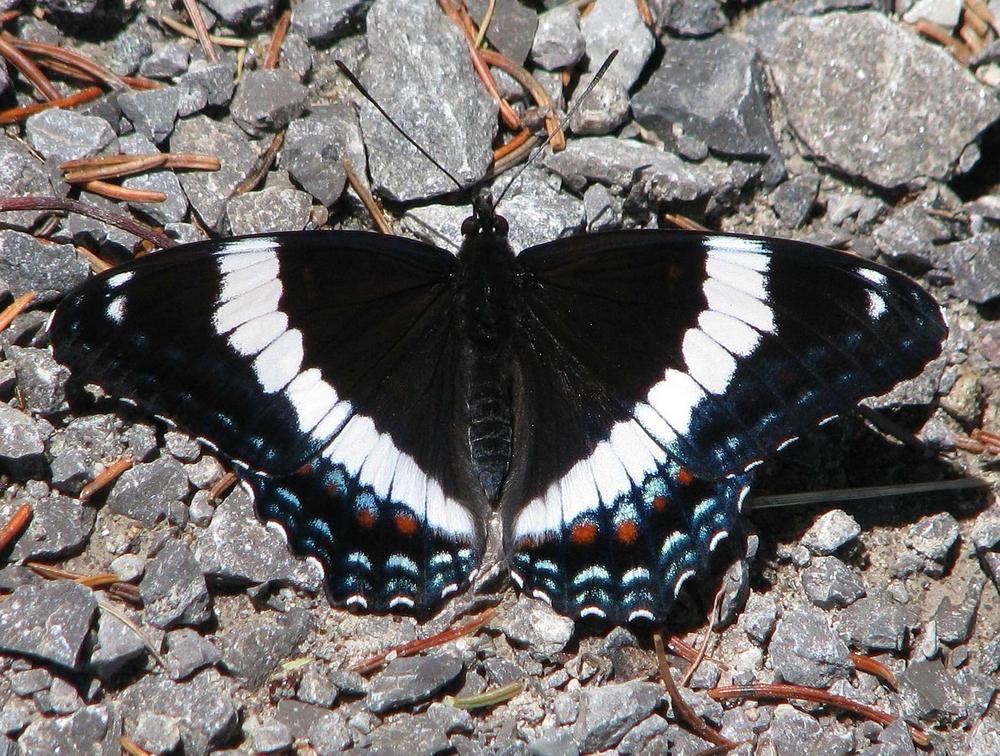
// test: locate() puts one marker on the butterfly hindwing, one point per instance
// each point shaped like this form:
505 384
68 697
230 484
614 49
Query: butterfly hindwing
281 350
691 357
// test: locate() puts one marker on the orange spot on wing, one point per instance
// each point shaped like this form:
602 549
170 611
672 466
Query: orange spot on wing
627 533
583 534
684 477
406 524
366 519
659 503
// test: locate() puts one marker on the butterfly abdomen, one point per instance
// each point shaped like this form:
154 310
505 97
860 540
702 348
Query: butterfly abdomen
487 322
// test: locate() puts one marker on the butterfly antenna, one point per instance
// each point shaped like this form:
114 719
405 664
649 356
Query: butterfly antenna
367 95
562 123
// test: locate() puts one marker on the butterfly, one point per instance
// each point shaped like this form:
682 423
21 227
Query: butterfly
606 397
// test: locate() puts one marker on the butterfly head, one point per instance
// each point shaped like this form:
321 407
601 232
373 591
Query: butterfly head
484 219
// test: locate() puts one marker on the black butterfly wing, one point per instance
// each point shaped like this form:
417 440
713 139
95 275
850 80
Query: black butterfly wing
689 358
282 350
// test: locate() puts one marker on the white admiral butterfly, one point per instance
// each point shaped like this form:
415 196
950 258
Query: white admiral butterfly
607 395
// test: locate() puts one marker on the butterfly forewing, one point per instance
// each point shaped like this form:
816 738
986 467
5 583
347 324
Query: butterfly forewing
320 364
688 357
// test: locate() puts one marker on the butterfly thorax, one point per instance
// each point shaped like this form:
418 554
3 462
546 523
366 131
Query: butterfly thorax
486 310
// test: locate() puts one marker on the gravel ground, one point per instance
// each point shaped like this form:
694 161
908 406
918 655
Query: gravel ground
820 119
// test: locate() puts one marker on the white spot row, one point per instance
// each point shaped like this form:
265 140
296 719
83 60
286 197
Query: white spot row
613 468
373 458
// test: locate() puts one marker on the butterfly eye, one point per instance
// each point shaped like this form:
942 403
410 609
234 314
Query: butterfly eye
500 226
470 226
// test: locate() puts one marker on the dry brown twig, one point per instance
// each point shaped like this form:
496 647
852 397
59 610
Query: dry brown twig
201 30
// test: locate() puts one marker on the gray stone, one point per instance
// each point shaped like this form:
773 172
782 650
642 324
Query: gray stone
759 618
15 716
48 270
558 42
512 26
934 537
166 61
61 698
607 712
204 472
559 742
243 14
266 210
647 737
238 550
804 650
913 234
22 174
984 737
714 89
461 133
329 734
157 733
187 651
117 646
322 21
954 619
599 209
791 729
605 108
410 734
944 13
874 623
41 381
78 450
412 679
59 135
535 626
30 681
975 266
793 200
208 191
297 55
314 146
299 716
617 25
260 645
830 532
22 438
181 446
692 18
267 101
928 692
205 85
204 708
832 68
173 589
538 213
48 621
315 688
624 162
986 529
59 527
270 737
145 491
78 733
151 111
829 583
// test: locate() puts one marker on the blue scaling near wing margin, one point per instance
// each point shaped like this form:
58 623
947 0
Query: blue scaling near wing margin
377 555
628 561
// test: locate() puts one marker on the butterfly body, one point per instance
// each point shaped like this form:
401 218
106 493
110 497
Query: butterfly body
607 396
